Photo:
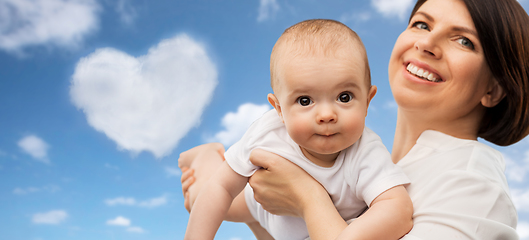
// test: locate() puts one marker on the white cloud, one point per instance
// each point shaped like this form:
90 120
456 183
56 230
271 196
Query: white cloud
173 172
119 221
63 23
127 13
392 8
267 9
135 230
523 230
356 17
147 103
28 190
515 171
125 222
517 161
129 201
107 165
52 217
237 123
36 147
121 201
391 104
520 197
153 202
20 191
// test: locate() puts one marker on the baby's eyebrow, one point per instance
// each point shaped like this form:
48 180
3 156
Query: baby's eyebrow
349 84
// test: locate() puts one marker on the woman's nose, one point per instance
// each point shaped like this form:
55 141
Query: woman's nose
429 46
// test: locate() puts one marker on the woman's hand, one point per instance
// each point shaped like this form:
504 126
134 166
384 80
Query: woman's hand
281 187
198 165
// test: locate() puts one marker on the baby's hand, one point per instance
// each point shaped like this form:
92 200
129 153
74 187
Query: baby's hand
198 165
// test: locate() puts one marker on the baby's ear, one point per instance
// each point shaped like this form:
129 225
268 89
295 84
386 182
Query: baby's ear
272 99
370 95
493 96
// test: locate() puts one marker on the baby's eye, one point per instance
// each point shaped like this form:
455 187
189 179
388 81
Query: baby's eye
304 101
345 97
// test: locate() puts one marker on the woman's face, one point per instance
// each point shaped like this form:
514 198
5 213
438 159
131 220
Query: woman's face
437 68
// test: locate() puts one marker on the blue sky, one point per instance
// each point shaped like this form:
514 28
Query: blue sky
99 97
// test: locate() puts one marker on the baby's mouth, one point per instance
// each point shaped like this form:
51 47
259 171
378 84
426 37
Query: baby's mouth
422 73
327 135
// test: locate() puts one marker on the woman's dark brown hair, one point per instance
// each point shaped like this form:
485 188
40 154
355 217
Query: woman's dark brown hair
503 31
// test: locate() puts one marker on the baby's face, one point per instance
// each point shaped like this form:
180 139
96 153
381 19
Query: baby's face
323 103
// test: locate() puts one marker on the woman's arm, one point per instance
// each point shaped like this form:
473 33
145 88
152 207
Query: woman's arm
283 188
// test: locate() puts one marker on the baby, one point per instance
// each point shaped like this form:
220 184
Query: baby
322 88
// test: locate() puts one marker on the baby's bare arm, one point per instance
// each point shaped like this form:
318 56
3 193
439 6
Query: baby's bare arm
388 217
213 202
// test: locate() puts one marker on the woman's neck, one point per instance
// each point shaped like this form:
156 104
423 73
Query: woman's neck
410 126
406 135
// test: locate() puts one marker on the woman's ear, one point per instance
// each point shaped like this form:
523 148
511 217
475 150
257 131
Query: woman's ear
272 99
493 96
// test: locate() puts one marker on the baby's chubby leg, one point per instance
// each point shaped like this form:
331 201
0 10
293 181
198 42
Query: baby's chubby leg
198 165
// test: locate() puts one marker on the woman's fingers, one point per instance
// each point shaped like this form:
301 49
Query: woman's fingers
187 179
282 187
273 185
262 158
198 165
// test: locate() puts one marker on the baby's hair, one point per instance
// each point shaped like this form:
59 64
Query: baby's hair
320 37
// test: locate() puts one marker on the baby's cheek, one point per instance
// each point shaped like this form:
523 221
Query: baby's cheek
354 126
299 130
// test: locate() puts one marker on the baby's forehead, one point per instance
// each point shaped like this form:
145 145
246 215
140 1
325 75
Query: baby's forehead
347 58
297 72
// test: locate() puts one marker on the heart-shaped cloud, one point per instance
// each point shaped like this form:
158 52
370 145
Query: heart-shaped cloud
149 102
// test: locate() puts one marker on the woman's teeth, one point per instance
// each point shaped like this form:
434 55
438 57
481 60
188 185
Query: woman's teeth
419 72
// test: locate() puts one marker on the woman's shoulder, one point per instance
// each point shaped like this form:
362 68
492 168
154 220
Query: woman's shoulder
487 162
468 151
444 153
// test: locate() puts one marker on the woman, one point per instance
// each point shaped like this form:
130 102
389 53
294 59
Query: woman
458 72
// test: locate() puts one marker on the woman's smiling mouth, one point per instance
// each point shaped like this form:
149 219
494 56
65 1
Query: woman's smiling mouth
422 73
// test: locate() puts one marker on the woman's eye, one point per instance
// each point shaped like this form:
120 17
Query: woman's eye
421 25
466 42
345 97
304 101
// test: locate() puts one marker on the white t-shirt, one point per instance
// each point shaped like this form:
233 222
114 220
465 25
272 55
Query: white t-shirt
360 173
458 189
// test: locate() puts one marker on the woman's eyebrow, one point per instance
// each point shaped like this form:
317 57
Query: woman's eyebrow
426 15
456 28
465 30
